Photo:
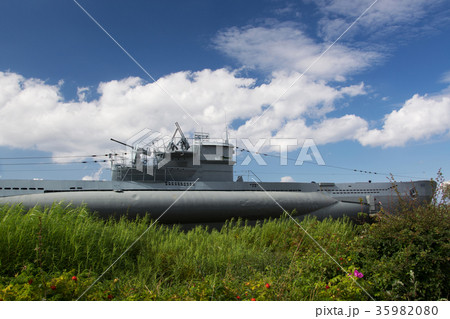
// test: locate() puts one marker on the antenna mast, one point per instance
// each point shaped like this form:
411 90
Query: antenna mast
226 128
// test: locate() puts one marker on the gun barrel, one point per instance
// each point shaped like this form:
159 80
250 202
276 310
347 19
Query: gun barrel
121 143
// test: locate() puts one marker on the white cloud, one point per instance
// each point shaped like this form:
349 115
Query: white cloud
420 118
81 93
33 114
328 130
446 77
385 17
283 46
286 46
287 179
95 176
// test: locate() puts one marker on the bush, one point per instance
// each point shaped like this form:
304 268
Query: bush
407 254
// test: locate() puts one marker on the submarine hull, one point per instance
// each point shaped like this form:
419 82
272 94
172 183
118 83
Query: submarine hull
196 206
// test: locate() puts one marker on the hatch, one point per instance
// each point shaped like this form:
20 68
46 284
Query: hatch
327 184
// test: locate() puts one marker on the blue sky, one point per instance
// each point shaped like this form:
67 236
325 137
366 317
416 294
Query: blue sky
378 100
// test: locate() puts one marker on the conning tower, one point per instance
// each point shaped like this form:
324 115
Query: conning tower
154 159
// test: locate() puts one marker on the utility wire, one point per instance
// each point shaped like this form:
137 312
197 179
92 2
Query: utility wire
52 163
63 156
52 170
326 165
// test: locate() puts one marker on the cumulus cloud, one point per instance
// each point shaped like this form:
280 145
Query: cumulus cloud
283 46
421 117
287 179
286 46
33 114
96 175
329 130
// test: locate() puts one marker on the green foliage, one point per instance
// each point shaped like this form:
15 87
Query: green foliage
407 255
402 257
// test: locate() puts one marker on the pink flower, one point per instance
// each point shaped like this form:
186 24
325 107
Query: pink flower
356 273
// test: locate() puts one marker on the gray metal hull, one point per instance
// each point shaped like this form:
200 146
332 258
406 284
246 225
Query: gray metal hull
209 202
190 207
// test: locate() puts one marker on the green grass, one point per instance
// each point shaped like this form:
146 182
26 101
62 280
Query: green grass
402 257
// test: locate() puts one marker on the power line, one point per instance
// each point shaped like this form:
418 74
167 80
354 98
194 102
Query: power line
52 170
326 165
62 156
52 163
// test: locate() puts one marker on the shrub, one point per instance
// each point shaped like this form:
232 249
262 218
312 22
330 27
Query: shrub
406 254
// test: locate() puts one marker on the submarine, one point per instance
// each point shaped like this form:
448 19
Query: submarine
177 182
